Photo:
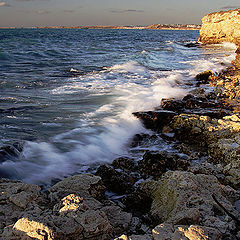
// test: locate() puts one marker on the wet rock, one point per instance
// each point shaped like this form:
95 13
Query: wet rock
192 232
85 185
8 152
124 163
138 202
155 120
116 181
204 77
156 163
195 105
182 198
172 104
142 139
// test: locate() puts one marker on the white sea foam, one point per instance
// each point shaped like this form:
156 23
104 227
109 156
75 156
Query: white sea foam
229 45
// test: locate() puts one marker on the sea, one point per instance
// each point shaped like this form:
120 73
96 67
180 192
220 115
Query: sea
67 95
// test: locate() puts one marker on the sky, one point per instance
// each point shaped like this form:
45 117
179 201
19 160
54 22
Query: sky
33 13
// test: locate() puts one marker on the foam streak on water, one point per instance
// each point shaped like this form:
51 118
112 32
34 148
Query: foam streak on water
82 95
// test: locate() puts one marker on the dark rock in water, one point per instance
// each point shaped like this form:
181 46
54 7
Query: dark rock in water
195 105
138 202
156 163
190 45
124 163
141 139
8 152
172 104
204 77
115 181
155 120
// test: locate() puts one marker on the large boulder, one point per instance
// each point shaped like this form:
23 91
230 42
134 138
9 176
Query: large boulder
85 185
220 27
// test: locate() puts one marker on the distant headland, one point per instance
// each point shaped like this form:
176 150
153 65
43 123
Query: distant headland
153 26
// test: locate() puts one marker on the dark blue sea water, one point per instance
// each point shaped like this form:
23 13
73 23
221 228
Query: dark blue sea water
67 95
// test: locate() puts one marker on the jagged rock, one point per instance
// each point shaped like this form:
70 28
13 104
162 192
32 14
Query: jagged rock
9 152
209 169
221 27
89 224
200 105
155 120
119 220
142 139
232 172
26 213
182 198
85 185
193 232
124 163
220 137
172 104
16 198
204 77
115 181
156 163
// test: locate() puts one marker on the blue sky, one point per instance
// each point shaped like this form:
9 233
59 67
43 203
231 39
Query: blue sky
28 13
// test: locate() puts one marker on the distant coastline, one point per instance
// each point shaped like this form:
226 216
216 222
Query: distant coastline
154 26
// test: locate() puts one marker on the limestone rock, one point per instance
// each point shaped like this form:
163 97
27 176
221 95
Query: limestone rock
183 232
85 185
220 137
26 213
16 198
232 172
183 198
220 27
118 219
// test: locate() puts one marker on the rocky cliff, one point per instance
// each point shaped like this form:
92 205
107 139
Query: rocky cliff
221 27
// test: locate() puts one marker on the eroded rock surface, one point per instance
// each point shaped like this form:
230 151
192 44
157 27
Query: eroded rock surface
71 210
183 198
220 27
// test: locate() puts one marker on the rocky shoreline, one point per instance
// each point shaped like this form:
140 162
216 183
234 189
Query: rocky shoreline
192 192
